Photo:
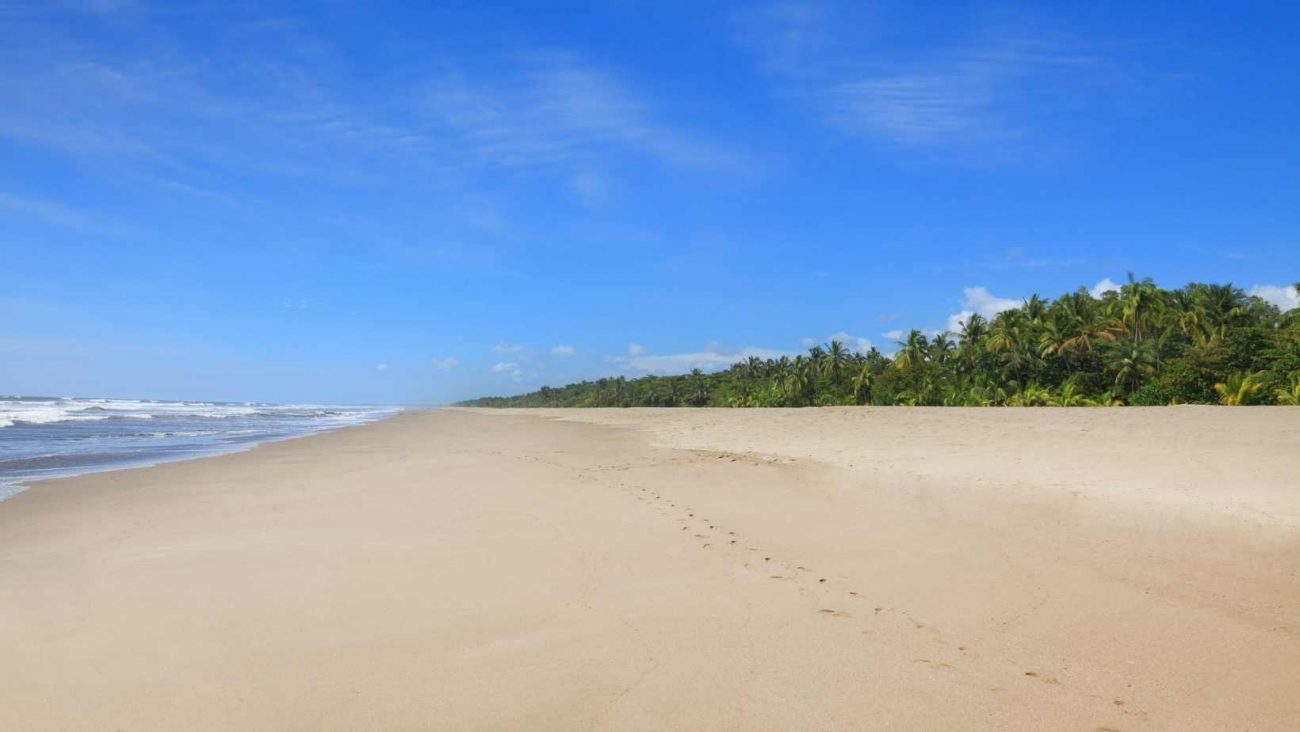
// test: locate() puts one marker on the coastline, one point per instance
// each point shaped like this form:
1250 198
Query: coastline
482 568
13 486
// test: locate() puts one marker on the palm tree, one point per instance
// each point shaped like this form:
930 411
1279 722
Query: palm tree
1290 395
941 347
798 382
974 329
699 388
1034 308
1071 396
862 382
836 360
1131 363
1138 302
911 353
1238 389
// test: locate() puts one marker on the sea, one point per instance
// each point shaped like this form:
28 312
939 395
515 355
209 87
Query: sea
50 437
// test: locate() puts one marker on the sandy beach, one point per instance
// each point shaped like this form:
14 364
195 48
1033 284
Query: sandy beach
855 568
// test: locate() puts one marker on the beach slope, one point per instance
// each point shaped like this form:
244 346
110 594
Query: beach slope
1122 569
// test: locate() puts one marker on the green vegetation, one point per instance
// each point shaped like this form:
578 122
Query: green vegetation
1142 345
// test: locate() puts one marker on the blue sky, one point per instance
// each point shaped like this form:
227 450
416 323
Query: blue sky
373 202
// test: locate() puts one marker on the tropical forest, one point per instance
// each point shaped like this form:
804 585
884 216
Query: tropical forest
1139 345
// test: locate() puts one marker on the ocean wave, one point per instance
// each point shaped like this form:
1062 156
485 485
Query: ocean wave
45 437
46 410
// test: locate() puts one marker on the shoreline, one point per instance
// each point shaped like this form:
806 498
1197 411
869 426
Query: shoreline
9 489
627 569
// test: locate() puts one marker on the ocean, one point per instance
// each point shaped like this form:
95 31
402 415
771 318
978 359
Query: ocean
48 437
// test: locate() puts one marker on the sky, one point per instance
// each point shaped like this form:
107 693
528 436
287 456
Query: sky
415 203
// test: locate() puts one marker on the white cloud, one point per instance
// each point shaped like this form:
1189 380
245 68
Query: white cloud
986 303
563 350
507 348
449 362
1285 298
504 367
977 300
635 349
1103 287
381 366
893 335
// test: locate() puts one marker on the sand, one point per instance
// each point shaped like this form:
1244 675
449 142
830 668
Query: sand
1082 569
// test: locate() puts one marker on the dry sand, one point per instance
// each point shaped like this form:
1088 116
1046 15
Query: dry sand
1080 569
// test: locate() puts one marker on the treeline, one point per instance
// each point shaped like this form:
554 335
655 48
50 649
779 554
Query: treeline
1140 345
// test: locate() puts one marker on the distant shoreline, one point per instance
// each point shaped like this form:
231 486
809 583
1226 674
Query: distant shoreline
1133 344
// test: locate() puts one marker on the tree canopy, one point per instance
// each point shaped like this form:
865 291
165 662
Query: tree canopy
1139 345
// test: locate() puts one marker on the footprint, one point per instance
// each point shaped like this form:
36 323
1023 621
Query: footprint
1045 679
932 664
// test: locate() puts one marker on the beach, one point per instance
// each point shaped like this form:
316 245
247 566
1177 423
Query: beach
839 568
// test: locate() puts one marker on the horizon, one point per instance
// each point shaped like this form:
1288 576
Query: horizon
309 203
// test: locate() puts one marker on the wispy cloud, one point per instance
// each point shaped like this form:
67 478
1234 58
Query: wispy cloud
504 347
1022 258
448 362
989 87
788 37
563 351
48 211
554 108
190 118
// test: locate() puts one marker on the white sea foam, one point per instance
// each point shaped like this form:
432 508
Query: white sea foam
44 411
51 437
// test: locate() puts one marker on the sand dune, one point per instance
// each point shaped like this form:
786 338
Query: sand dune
702 569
